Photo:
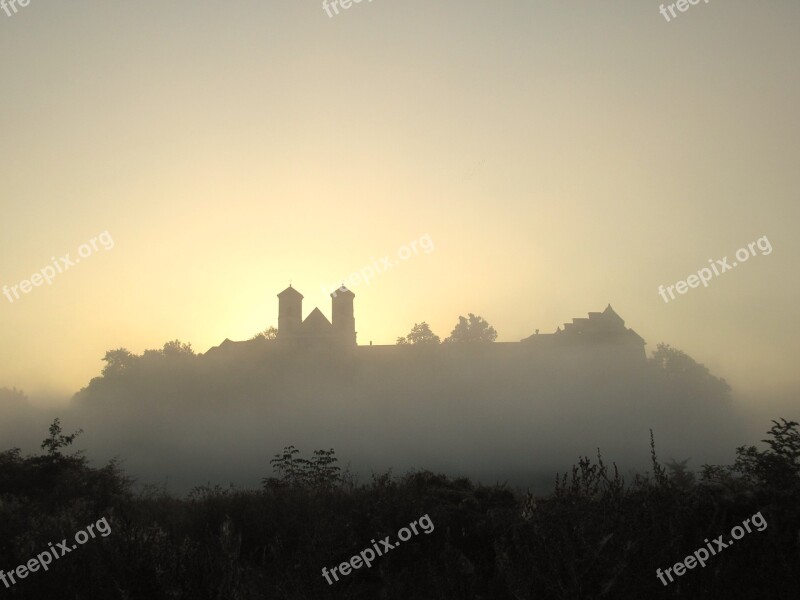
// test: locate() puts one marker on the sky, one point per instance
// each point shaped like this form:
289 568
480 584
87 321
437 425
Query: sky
556 156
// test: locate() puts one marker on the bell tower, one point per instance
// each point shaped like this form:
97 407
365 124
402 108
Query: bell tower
290 312
343 321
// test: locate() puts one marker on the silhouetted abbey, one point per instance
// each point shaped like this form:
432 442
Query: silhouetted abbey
600 332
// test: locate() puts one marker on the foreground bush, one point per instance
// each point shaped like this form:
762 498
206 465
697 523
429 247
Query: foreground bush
595 536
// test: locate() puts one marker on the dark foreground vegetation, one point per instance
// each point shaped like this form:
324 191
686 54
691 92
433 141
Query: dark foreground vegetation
595 536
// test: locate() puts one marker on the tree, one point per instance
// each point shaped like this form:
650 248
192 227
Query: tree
176 348
119 361
170 349
319 472
58 440
288 468
420 334
774 469
673 361
678 365
472 330
12 395
270 333
680 475
779 466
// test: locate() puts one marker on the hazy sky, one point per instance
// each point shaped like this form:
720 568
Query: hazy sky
560 154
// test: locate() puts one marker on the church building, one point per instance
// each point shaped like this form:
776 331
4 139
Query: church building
293 329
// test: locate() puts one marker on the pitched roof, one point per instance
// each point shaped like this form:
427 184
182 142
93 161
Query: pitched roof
290 291
316 321
609 313
632 334
342 291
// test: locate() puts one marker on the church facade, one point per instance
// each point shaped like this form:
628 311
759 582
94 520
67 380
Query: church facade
315 328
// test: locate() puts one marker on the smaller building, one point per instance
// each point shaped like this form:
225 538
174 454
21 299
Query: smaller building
600 329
